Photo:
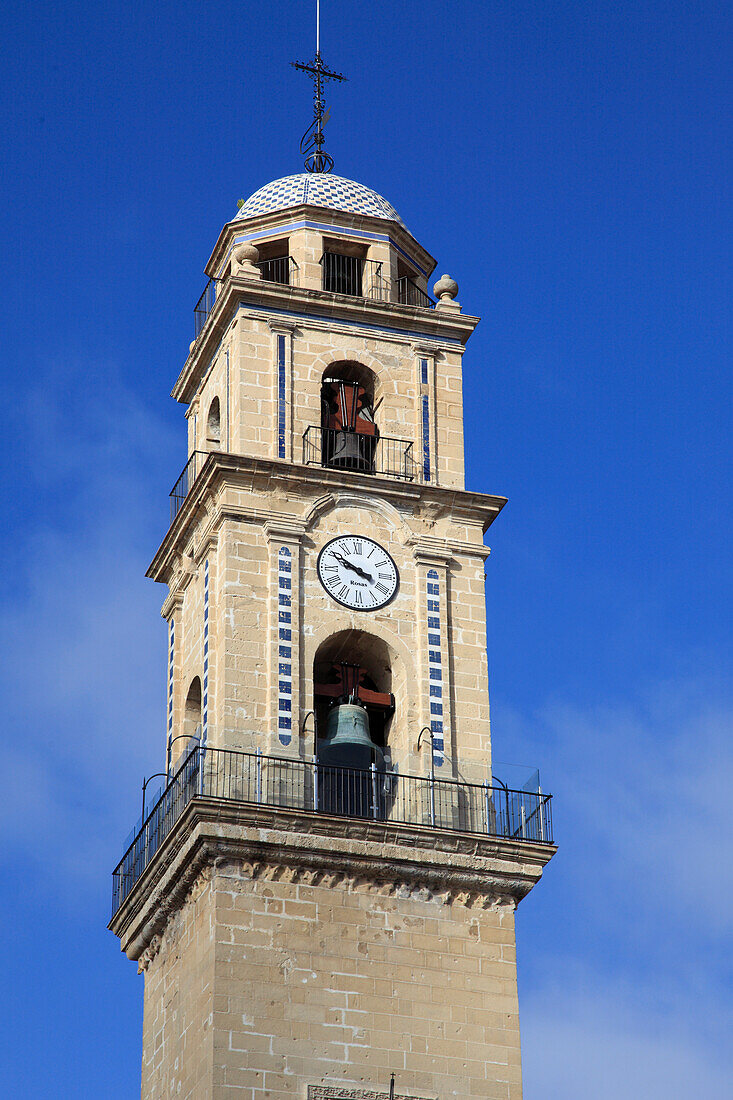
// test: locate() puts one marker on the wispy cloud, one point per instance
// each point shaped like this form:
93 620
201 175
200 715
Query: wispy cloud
83 667
629 991
592 1040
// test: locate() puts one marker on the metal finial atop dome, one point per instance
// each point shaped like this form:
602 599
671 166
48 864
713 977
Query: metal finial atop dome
311 143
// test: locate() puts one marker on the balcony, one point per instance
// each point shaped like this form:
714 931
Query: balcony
183 486
280 269
203 307
373 796
340 275
410 294
366 454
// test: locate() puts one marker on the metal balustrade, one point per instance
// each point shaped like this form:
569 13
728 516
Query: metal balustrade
354 276
410 294
203 307
279 269
374 795
340 274
183 486
366 454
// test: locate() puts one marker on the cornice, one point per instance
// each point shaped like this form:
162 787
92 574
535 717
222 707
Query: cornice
172 603
278 220
258 842
391 317
434 551
480 509
284 529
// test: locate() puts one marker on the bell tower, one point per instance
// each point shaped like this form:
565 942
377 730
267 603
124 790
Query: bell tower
324 892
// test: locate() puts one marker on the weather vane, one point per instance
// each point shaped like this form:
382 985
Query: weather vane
311 143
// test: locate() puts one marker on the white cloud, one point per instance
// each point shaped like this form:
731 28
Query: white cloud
602 1044
624 949
83 667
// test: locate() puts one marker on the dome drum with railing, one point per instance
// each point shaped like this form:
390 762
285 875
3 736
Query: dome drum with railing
325 233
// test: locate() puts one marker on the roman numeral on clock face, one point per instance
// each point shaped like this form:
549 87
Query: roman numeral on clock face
381 588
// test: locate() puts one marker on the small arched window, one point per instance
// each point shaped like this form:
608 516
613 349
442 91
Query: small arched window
192 711
213 422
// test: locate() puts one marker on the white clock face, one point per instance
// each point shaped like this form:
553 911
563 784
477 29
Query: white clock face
357 572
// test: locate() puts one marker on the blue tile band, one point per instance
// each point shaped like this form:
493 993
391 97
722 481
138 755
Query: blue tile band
435 673
285 668
205 712
425 437
280 396
171 660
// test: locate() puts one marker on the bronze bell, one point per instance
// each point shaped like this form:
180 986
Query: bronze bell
347 743
350 450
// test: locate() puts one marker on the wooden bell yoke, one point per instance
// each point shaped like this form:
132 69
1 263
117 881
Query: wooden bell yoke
348 684
347 409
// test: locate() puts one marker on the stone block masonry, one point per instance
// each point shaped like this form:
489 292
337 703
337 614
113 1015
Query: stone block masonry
298 980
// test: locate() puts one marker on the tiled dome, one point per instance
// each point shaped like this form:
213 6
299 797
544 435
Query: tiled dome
318 189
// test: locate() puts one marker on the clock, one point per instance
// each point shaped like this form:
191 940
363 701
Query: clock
357 572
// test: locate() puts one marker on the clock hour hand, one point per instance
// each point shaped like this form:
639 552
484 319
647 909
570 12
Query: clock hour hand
354 568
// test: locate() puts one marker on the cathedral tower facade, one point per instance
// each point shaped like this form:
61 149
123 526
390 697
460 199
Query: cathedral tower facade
324 893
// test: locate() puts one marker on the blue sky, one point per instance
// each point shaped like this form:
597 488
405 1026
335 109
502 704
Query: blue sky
570 165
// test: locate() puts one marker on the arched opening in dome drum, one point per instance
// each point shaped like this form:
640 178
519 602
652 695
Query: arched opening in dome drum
275 263
354 705
349 433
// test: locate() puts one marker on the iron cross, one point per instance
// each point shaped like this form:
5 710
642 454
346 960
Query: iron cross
311 143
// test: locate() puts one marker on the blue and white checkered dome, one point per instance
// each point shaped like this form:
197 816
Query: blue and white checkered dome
318 189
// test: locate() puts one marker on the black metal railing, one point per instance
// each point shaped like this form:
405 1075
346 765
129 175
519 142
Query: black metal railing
280 269
203 307
341 274
366 454
410 294
183 486
306 785
374 282
355 276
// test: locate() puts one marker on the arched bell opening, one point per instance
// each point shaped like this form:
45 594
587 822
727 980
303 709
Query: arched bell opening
349 430
353 700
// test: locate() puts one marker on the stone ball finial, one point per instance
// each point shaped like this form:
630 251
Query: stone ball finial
246 253
446 288
191 346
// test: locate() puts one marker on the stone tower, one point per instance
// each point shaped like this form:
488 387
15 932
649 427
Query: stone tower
324 893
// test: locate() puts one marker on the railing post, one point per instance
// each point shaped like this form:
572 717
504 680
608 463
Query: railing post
508 818
258 776
315 783
522 820
487 805
373 770
541 813
202 760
